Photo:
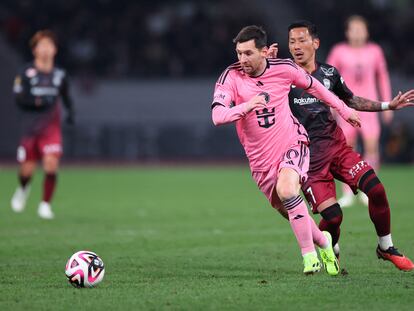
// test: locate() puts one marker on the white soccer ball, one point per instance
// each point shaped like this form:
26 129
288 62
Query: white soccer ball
85 269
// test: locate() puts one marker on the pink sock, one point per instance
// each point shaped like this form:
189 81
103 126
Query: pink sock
318 237
300 222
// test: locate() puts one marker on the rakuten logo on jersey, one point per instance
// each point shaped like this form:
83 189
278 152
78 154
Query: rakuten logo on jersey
305 101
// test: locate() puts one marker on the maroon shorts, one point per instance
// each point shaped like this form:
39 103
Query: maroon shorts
34 147
333 159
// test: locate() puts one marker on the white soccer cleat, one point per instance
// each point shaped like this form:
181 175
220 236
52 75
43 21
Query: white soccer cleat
347 200
363 198
45 211
18 201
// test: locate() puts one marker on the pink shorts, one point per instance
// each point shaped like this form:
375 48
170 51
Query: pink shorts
370 127
296 158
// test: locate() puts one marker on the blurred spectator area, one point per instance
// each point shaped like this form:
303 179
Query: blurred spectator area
143 72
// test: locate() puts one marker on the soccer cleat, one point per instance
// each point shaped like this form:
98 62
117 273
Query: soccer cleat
18 201
329 260
311 263
45 211
399 260
346 200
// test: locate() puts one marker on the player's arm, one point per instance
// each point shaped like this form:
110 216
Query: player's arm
224 115
67 101
21 90
315 88
364 104
222 110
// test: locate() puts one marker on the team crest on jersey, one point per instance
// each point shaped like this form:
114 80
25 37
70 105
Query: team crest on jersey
31 72
327 83
266 117
328 71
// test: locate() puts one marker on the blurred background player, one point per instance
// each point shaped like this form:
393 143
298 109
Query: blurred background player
38 90
363 66
330 156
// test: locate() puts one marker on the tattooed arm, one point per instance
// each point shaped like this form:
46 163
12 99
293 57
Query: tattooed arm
363 104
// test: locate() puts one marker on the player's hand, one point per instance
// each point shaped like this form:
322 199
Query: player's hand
402 100
272 51
354 119
256 102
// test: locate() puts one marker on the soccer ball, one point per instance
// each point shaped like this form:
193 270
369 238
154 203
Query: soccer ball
85 269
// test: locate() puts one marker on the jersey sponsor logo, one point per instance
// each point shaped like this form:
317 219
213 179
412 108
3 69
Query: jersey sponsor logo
44 91
328 71
266 117
305 101
327 83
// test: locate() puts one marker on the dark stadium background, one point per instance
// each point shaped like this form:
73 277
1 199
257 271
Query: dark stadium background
142 72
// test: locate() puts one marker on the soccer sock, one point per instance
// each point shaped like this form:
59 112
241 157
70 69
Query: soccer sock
385 242
24 180
318 237
49 184
331 221
300 222
379 210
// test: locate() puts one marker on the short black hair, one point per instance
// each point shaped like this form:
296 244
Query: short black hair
252 32
355 17
313 30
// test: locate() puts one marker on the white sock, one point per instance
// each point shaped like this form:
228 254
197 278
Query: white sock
385 242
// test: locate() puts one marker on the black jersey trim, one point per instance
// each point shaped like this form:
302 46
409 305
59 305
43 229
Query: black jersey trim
298 130
310 85
213 105
223 76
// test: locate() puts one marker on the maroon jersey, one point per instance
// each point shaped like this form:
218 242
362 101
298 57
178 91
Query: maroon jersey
38 96
311 112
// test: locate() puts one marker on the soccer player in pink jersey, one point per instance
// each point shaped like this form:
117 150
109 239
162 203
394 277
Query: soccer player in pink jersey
362 64
39 89
330 156
253 93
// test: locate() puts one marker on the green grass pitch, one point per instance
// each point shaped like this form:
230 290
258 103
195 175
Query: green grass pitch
190 238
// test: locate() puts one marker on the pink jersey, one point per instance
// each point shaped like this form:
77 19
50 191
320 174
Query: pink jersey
266 134
363 69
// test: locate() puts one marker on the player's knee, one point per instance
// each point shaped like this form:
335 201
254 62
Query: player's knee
50 164
333 215
287 191
372 186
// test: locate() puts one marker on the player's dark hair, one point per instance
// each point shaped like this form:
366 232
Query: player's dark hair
353 18
252 32
41 34
312 29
